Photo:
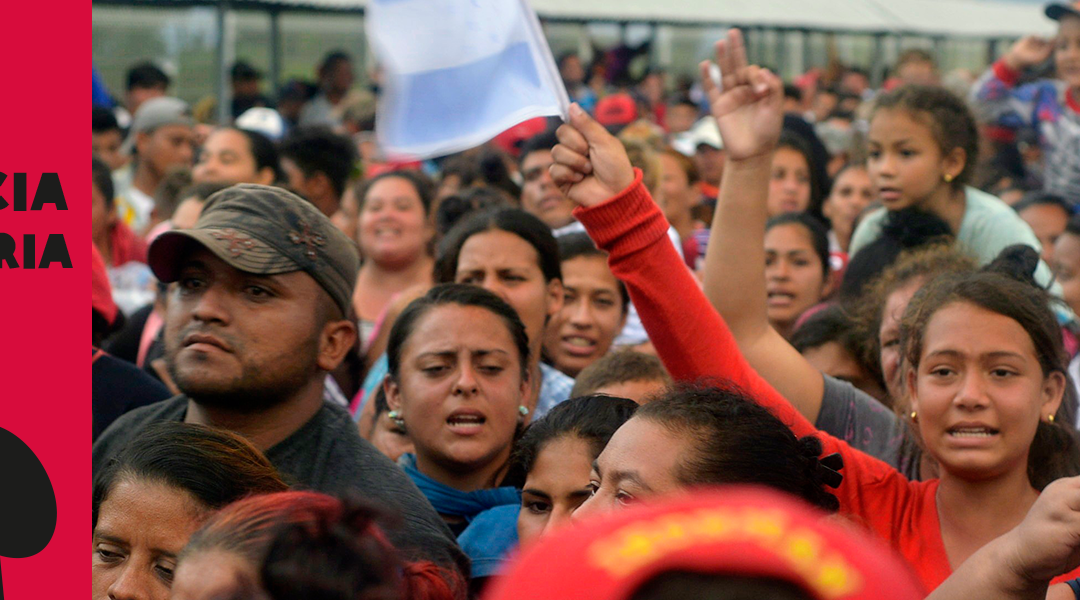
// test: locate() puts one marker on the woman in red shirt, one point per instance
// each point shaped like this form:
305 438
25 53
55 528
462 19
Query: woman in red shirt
987 372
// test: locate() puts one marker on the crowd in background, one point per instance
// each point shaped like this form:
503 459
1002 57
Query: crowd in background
324 371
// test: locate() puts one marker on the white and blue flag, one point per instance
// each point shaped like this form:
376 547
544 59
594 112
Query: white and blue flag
459 72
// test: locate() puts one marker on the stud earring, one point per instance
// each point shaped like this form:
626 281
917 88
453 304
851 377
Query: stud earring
523 410
1050 418
395 416
948 178
915 416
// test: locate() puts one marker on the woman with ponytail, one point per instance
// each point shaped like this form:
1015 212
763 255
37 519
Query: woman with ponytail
704 435
986 376
303 545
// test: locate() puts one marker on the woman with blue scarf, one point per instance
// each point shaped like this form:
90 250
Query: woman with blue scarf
457 382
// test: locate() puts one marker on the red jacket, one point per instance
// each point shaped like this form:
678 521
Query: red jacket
695 343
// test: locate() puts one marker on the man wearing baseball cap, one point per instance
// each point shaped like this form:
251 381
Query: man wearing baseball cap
161 138
256 316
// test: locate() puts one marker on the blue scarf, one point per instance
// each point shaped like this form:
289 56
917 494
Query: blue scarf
455 503
491 514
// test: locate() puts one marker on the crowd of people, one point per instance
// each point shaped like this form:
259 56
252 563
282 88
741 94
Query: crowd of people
731 338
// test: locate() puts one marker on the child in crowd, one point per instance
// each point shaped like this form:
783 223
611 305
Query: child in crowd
922 150
556 454
1052 107
594 307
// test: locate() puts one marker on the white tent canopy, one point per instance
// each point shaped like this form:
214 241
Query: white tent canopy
966 18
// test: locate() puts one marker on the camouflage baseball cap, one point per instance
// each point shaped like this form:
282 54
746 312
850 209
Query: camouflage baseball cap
265 230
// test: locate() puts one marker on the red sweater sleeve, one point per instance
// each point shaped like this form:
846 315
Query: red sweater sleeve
694 343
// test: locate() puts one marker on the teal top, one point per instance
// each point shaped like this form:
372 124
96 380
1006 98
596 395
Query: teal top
989 226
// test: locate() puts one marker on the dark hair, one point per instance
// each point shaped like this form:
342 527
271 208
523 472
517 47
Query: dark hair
511 220
793 91
104 120
616 367
201 191
1054 450
545 140
927 262
331 60
214 465
317 149
423 185
264 151
146 75
1073 226
102 178
901 231
485 168
736 440
380 403
462 295
914 55
949 118
680 585
830 324
683 100
794 141
316 546
592 418
1044 199
575 245
819 236
452 209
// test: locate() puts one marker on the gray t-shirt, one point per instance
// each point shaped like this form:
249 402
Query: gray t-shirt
852 415
327 455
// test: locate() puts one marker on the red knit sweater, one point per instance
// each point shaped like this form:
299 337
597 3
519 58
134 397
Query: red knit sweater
695 343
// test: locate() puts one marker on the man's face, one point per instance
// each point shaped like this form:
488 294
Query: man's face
245 88
242 341
107 148
341 76
540 196
571 70
680 117
710 163
166 147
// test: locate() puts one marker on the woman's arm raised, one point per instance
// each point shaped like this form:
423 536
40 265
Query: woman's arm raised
734 275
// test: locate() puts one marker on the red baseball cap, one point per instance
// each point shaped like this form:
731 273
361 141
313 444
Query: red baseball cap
512 139
739 531
615 110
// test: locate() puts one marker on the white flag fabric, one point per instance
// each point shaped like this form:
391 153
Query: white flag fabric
459 72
